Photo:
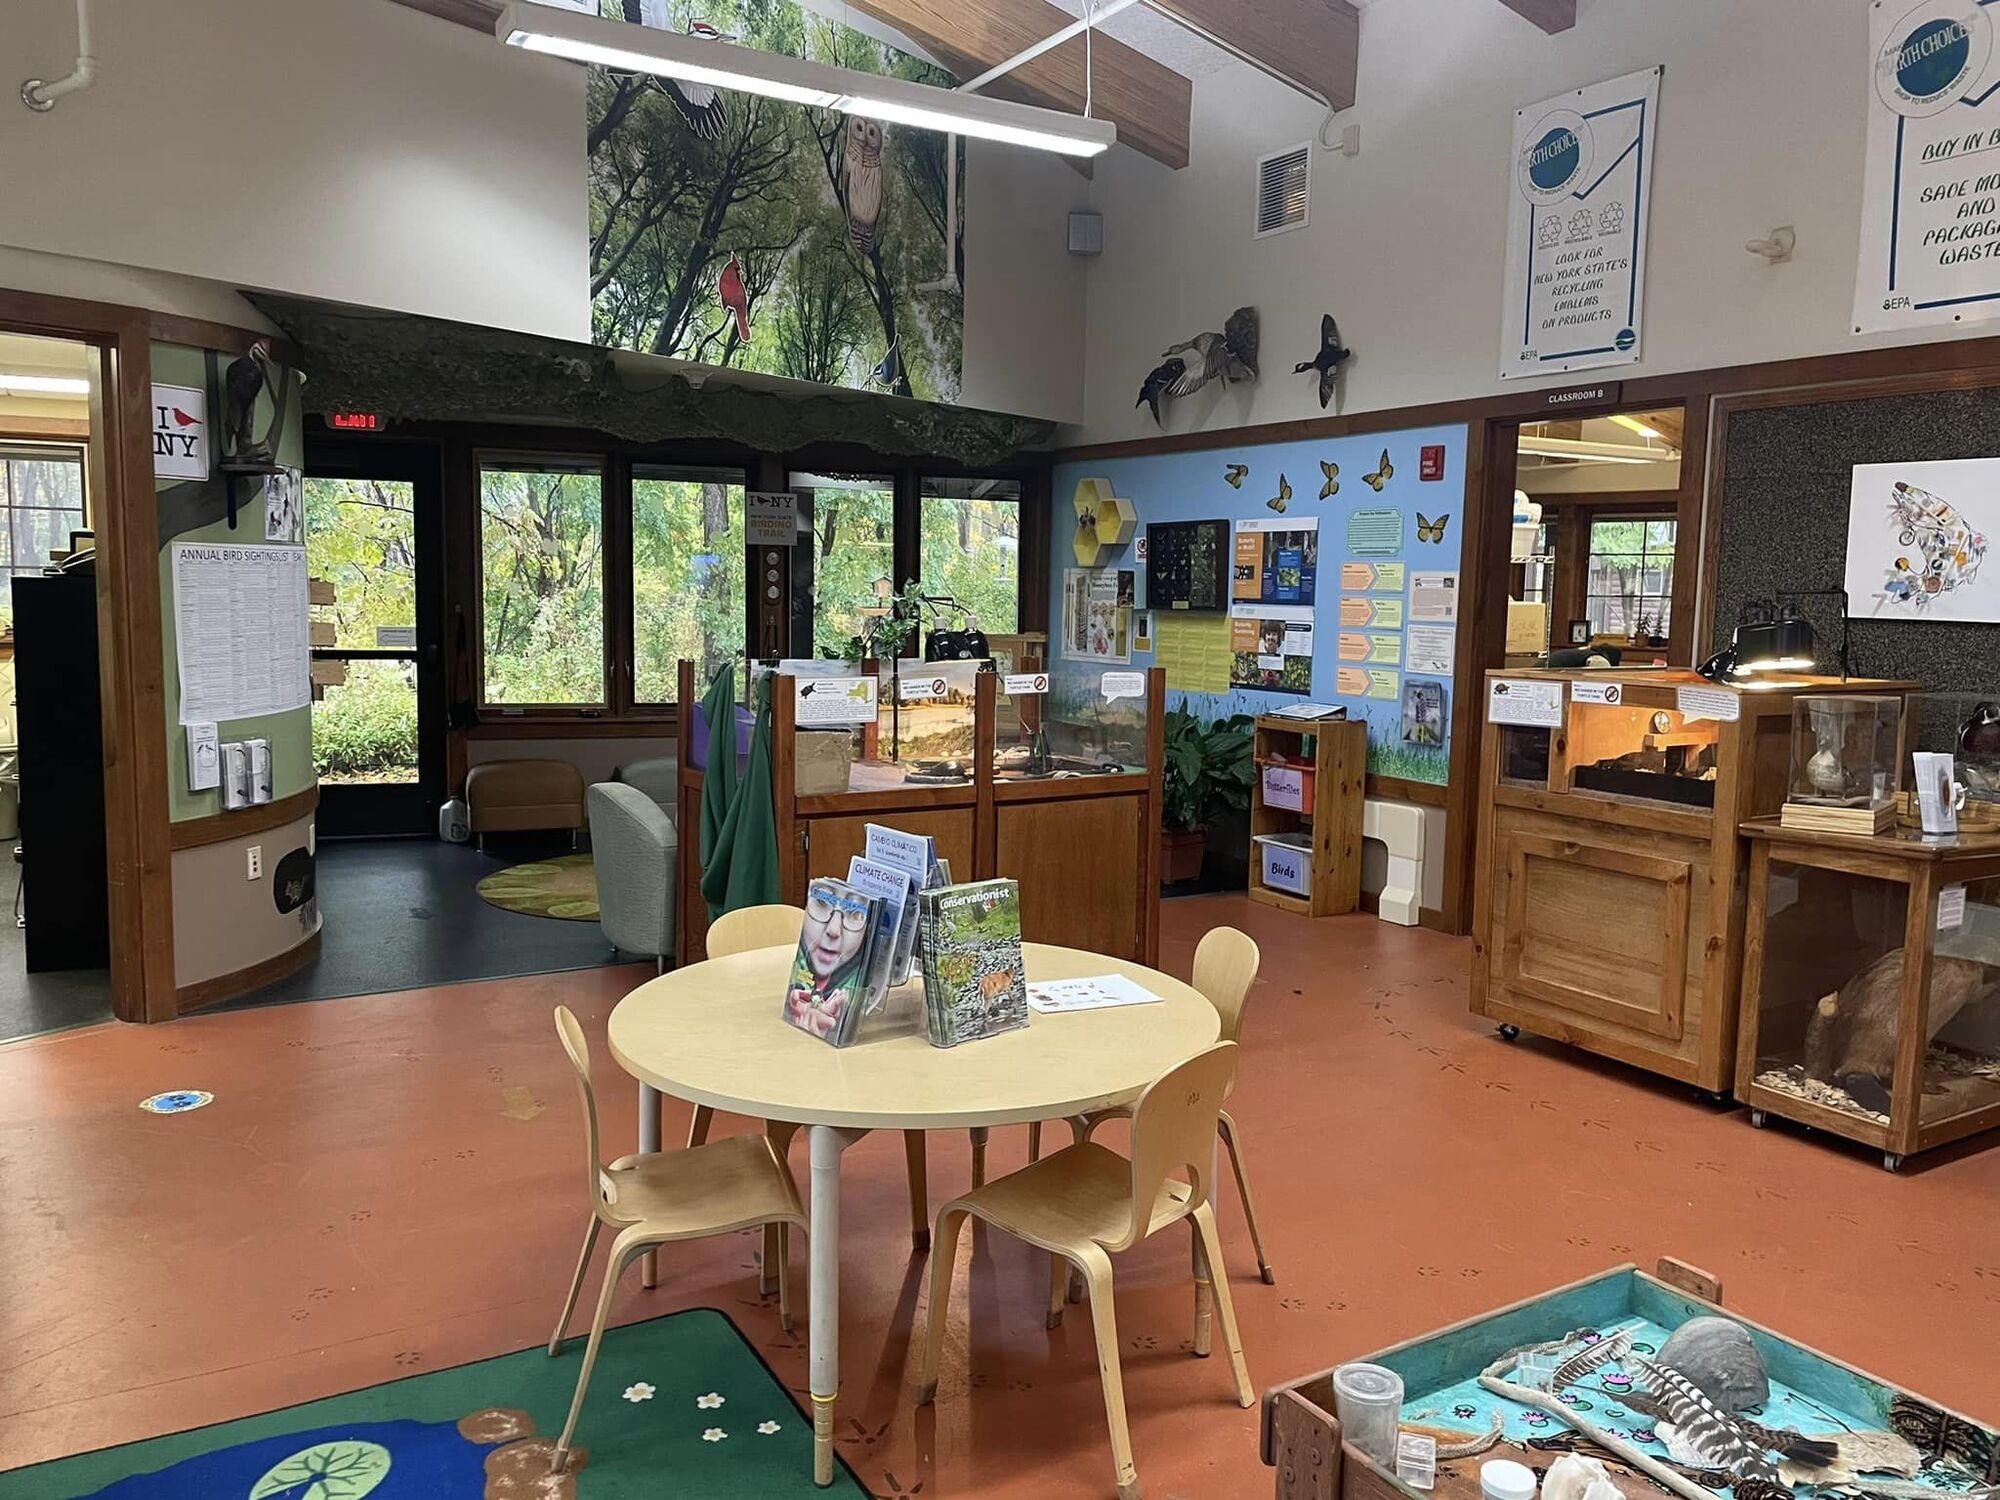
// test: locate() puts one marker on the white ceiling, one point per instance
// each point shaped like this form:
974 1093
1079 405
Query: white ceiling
1147 31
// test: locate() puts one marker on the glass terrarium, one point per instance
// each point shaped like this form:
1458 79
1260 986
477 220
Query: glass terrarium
1090 722
1965 726
1631 750
1844 751
1840 956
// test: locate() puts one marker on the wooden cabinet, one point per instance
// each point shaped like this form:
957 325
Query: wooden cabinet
1609 877
1323 766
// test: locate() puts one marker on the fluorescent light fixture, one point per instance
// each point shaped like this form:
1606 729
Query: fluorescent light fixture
1593 453
1633 424
645 49
44 385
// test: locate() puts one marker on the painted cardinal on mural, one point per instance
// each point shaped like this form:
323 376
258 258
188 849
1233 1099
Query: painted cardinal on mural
699 104
735 298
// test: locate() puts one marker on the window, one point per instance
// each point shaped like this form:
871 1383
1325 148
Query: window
687 577
361 537
1630 585
42 490
1538 573
542 582
972 548
853 553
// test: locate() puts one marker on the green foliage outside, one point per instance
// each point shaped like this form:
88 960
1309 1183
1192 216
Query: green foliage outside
1631 578
687 582
361 538
668 210
542 580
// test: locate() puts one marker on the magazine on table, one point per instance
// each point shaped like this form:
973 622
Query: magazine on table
828 988
975 984
895 944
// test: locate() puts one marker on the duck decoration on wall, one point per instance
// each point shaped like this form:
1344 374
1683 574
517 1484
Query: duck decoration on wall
1229 356
1332 355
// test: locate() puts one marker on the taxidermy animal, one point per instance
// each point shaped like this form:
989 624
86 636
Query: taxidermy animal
1332 355
699 104
242 383
1159 383
735 298
1278 501
1235 474
1332 486
1228 356
862 174
1852 1032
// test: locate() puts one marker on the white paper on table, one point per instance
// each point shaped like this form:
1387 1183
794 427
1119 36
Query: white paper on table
1106 992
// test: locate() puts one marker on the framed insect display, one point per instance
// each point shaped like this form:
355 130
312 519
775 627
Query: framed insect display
1187 566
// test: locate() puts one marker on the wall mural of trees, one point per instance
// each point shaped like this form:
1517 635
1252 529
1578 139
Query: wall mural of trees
744 232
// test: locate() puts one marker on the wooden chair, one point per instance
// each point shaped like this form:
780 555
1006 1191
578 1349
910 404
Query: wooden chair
753 927
1086 1204
1225 967
662 1197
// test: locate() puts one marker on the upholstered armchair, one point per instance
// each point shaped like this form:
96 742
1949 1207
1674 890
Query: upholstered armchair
634 843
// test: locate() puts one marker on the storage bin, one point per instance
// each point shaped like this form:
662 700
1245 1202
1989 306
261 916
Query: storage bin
1285 864
1289 787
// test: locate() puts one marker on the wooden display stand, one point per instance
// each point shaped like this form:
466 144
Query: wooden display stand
1337 770
1084 849
1802 959
1609 891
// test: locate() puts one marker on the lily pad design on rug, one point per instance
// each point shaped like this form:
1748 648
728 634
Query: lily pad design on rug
486 1431
564 888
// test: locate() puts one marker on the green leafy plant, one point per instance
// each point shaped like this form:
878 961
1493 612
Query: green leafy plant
1210 768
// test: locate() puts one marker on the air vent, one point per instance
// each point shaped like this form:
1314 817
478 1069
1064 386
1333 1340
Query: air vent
1284 191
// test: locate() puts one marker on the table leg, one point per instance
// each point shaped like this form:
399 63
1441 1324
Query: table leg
649 1140
826 1143
979 1136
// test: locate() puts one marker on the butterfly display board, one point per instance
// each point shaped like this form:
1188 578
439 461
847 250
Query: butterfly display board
1340 562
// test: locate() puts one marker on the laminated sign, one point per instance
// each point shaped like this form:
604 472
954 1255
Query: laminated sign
1576 232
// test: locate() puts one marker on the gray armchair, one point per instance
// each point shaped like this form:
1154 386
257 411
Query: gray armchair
634 843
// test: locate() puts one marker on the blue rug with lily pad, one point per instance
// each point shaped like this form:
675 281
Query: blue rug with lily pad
680 1405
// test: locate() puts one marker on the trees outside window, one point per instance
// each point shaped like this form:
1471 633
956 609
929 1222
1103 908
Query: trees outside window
687 577
542 582
971 547
41 489
1631 576
854 553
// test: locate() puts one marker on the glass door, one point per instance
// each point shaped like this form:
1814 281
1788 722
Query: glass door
372 515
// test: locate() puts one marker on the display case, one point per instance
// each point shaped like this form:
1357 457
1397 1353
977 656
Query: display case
1844 754
1070 719
1871 985
1608 908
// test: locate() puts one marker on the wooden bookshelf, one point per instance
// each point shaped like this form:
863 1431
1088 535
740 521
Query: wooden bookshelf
1335 752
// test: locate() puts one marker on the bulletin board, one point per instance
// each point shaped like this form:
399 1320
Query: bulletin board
1788 478
1346 556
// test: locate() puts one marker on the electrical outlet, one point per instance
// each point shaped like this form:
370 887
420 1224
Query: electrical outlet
256 862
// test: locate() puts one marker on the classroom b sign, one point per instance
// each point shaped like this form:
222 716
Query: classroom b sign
1930 217
180 432
1576 242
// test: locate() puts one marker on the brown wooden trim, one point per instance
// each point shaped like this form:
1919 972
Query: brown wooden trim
68 431
1433 920
1482 635
229 986
1123 784
200 333
1396 789
884 800
663 728
197 833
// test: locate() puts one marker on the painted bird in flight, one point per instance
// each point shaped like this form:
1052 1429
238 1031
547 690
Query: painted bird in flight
699 104
735 298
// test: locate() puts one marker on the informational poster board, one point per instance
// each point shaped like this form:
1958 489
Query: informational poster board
1271 648
1277 561
1919 538
240 623
1930 208
1576 233
1097 614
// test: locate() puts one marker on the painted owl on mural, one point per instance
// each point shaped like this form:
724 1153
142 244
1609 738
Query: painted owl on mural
863 180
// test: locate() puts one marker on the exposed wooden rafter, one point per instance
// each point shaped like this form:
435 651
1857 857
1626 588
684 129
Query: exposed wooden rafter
1551 15
1314 45
1149 102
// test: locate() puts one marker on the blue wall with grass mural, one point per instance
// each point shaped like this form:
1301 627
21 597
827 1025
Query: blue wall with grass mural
1400 520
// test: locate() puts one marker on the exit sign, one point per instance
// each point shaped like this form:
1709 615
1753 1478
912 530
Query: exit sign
356 421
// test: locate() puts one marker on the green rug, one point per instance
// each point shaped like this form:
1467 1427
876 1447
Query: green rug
679 1406
564 888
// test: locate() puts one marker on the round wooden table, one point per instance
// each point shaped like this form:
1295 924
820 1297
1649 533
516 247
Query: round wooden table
712 1034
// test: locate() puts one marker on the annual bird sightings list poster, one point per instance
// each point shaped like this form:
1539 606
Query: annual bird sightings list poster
1930 210
241 625
1576 229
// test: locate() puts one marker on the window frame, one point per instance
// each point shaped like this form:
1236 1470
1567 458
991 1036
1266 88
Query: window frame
1647 554
45 450
622 603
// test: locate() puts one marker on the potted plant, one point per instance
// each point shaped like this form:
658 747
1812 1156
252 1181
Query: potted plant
1209 770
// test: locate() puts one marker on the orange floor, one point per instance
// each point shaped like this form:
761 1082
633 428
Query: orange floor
392 1183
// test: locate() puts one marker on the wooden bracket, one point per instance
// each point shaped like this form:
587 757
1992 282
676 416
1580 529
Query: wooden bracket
1696 1282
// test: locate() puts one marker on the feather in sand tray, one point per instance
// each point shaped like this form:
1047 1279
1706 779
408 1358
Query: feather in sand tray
1820 1453
1591 1357
1695 1429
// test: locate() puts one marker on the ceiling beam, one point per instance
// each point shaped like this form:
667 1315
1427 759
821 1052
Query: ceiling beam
1149 102
1314 45
1551 15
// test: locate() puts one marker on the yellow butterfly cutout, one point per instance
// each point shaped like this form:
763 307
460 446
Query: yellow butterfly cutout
1284 494
1236 474
1332 486
1431 531
1382 475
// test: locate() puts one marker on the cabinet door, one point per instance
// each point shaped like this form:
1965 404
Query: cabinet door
1597 930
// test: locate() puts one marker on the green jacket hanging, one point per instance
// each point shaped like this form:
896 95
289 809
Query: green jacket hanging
740 861
718 785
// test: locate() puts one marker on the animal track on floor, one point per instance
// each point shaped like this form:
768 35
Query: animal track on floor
1498 1087
1145 1343
1581 1241
893 1488
1451 1067
319 1294
1292 1304
410 1358
1652 1147
465 1154
1429 1271
1597 1124
359 1216
1547 1104
1470 1273
1709 1166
